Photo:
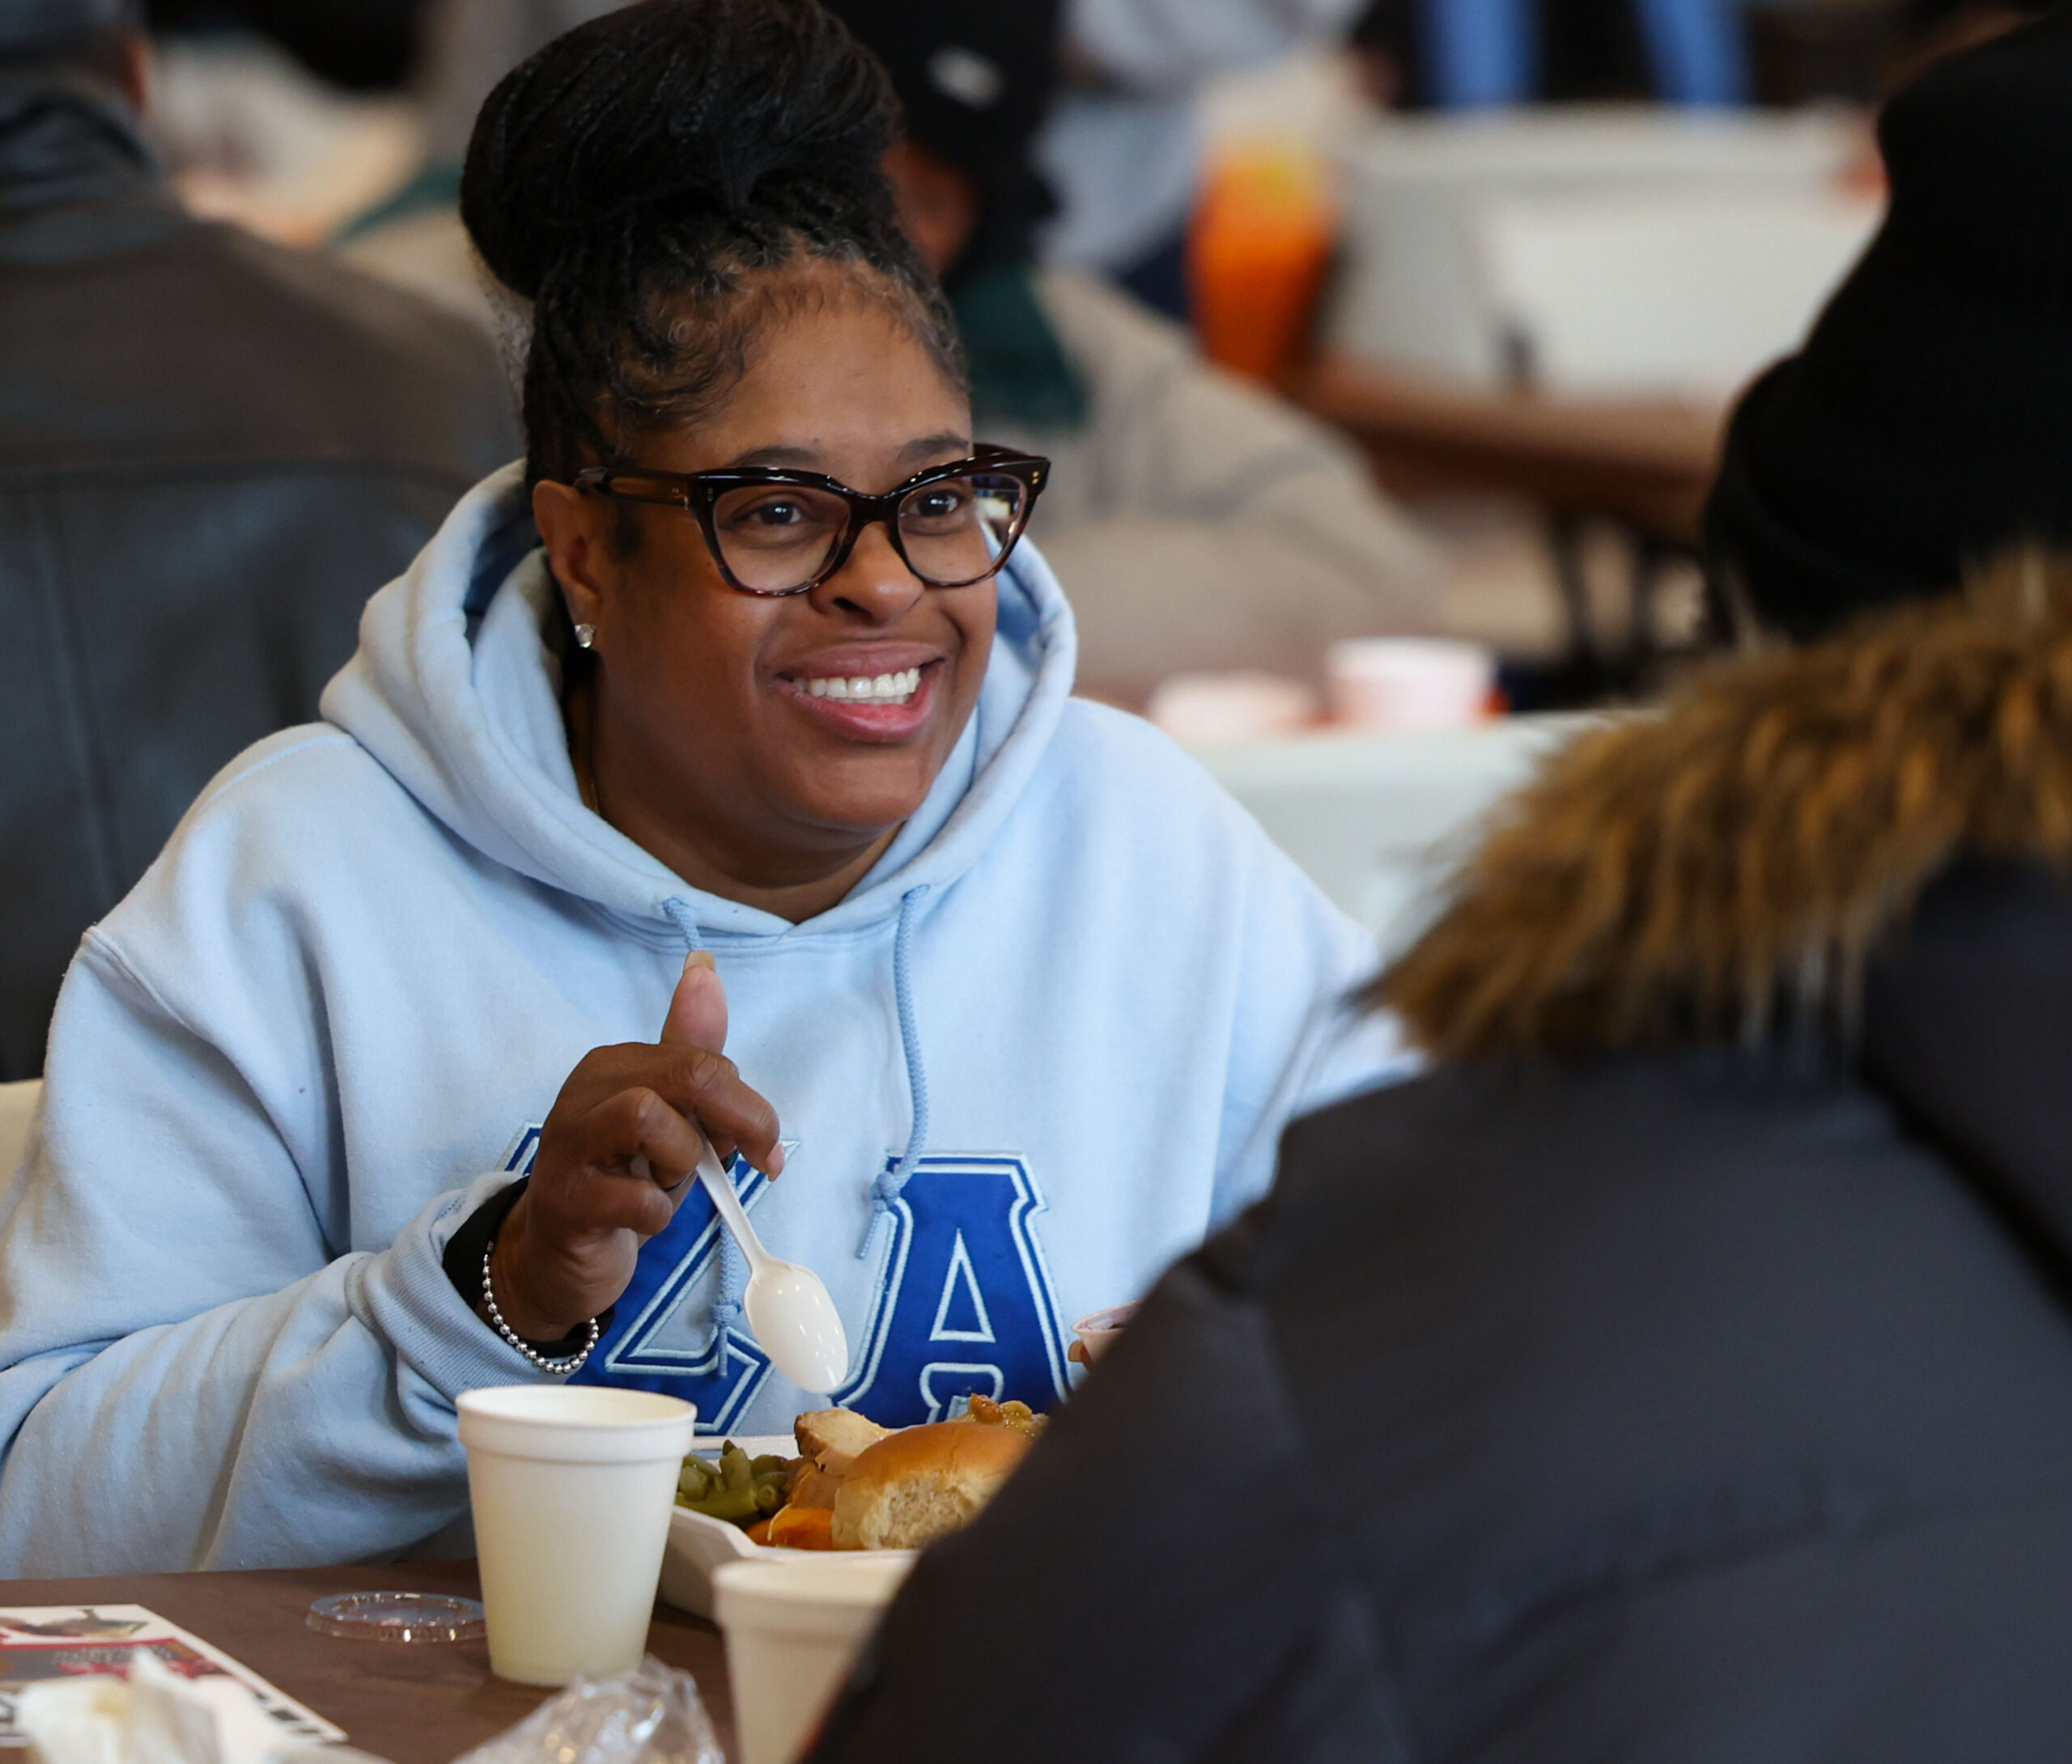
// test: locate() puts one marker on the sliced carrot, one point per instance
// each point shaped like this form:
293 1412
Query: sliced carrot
802 1527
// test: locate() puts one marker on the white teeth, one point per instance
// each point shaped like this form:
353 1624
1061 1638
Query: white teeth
884 689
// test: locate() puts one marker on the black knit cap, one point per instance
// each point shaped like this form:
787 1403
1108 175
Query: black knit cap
975 79
1927 423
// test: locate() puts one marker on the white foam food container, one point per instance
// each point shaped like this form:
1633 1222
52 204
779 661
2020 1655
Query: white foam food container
698 1544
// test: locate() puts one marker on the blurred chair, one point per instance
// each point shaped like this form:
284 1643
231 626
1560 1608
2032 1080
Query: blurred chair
19 1102
1377 820
1677 295
1682 296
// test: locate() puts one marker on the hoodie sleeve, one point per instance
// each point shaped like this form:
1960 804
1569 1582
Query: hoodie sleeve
1298 1043
193 1375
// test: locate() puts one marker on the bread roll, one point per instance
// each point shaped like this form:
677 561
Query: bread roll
921 1483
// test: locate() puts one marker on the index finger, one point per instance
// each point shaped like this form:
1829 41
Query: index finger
705 1087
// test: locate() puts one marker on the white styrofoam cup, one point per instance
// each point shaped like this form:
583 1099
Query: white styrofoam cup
571 1486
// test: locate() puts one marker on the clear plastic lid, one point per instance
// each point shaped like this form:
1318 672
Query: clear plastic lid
398 1617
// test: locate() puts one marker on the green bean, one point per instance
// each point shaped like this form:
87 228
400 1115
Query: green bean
729 1489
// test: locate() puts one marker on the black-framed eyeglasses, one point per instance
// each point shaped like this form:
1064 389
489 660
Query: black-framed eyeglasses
776 532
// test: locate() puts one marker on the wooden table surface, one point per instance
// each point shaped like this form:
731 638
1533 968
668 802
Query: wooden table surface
1650 462
422 1703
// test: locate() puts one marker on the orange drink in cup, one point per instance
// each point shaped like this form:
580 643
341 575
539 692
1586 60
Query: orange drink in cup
1261 240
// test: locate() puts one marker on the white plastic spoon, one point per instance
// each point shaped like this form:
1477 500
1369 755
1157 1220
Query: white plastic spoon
787 1306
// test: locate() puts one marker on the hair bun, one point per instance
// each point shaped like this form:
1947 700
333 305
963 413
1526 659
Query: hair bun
669 110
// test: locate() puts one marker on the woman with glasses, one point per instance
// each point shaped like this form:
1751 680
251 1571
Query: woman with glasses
714 773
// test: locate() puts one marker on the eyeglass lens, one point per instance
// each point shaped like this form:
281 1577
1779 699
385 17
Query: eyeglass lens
775 537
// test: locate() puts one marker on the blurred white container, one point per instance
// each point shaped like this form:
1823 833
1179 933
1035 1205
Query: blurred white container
1410 684
1655 293
1377 820
793 1629
572 1487
1414 293
1202 710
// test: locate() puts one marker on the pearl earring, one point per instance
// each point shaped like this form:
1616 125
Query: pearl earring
586 636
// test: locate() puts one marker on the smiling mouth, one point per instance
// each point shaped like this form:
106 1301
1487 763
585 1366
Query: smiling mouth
893 689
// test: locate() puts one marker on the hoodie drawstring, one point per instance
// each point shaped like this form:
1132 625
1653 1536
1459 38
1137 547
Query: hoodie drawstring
887 1188
686 922
734 1264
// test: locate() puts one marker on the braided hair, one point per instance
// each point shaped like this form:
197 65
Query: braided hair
639 180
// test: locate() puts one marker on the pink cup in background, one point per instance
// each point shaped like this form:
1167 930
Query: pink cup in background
1410 683
1244 704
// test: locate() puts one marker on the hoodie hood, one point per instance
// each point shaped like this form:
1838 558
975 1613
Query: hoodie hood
455 690
78 179
66 136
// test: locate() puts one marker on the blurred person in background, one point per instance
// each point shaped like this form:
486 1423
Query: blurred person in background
1473 54
1196 520
212 451
359 44
414 237
1683 1369
1926 425
468 45
1123 146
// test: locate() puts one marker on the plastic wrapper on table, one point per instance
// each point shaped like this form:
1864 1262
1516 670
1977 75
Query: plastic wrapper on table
94 1718
652 1715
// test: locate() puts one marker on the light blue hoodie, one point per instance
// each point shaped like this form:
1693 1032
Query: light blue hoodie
1043 1047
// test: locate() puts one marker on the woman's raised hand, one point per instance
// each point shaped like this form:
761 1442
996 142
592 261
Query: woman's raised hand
616 1155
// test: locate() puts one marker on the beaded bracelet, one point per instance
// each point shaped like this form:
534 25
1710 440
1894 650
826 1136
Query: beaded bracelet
559 1368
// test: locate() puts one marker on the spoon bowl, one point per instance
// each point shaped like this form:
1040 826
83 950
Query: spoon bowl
788 1306
794 1318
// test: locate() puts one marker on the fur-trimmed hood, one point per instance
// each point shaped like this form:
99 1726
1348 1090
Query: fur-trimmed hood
1725 869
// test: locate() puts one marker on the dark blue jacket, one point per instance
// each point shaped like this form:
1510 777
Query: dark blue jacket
1659 1410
